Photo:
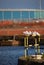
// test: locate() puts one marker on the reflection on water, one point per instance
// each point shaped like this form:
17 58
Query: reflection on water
9 54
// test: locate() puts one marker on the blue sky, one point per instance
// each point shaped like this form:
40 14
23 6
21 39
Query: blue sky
21 4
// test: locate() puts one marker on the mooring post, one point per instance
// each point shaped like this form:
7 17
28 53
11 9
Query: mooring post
39 45
26 45
13 40
35 46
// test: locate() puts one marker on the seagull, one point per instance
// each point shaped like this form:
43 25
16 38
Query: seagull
35 33
27 33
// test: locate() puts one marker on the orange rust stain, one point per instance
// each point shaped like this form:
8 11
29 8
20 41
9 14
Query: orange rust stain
39 27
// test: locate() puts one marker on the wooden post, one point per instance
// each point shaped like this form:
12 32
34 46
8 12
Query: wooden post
35 45
27 41
13 40
26 46
24 41
39 49
39 45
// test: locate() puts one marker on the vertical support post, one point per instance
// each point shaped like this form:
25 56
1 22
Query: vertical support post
39 45
26 46
29 15
40 8
20 16
35 17
24 41
13 40
35 46
39 49
27 41
11 15
3 15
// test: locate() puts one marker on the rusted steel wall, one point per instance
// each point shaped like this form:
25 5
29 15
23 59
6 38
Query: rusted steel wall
12 32
20 27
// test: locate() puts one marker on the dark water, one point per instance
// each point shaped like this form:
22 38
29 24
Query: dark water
9 54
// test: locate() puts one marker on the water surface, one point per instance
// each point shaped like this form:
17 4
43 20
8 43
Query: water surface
9 54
